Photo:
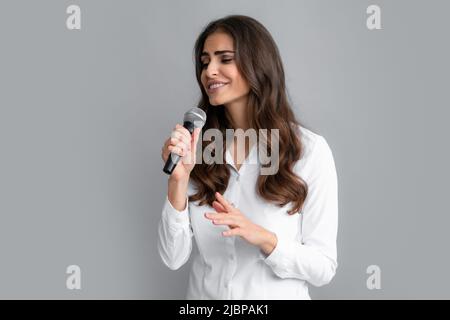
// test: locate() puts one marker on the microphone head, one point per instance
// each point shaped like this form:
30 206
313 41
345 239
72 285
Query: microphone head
196 116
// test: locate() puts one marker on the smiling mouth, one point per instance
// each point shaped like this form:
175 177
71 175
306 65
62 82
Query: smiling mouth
213 88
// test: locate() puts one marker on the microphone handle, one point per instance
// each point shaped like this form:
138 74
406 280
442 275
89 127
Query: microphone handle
173 159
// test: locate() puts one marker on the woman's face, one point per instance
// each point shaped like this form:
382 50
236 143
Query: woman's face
220 76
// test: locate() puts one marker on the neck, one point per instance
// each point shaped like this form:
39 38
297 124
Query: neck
237 113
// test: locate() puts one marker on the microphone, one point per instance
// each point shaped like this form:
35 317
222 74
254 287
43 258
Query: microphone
193 118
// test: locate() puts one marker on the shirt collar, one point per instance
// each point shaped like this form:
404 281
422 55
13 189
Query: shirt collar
252 159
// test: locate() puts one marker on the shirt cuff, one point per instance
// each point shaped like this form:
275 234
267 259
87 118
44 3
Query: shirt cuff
175 217
278 259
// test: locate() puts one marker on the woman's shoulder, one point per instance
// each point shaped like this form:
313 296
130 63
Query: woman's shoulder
308 139
314 147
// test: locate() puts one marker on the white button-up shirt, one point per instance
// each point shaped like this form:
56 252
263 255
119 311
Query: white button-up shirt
230 267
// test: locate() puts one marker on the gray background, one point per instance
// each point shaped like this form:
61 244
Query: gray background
83 115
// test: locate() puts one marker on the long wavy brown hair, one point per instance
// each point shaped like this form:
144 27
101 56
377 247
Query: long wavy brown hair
259 62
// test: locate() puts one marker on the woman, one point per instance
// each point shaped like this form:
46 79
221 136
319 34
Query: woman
258 236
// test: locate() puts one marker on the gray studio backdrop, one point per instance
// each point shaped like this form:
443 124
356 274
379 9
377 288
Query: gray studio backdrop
84 113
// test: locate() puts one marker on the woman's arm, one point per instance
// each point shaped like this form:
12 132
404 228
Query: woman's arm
177 191
174 229
314 259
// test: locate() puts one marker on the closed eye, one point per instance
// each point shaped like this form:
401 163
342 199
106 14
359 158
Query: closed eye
224 61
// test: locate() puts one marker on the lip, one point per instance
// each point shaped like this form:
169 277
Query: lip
214 90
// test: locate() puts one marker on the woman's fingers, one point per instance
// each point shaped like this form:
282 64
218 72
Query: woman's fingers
223 215
182 133
227 222
164 151
224 219
218 207
183 130
195 136
182 143
228 207
180 149
177 143
177 136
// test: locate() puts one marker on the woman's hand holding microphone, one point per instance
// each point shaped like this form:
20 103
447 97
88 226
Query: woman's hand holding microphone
182 143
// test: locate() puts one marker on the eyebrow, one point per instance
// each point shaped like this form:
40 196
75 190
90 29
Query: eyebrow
217 52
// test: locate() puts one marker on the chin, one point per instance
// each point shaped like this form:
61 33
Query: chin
214 102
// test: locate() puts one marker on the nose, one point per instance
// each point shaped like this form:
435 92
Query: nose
211 69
